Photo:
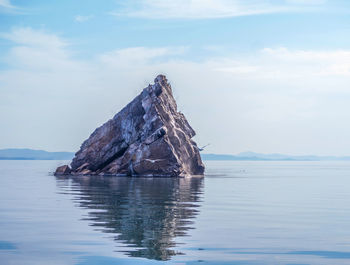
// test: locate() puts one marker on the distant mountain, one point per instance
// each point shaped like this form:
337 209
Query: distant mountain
29 154
251 156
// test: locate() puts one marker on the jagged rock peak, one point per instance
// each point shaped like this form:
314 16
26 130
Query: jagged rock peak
148 137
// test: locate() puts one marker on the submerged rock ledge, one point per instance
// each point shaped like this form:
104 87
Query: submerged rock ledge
148 137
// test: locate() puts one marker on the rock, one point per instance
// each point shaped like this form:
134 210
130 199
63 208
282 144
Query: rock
83 167
86 172
148 137
63 170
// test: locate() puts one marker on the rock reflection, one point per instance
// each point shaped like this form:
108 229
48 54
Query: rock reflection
145 214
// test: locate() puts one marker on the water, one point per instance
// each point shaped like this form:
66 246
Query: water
240 213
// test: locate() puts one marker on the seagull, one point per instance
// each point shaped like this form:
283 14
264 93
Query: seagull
153 161
202 148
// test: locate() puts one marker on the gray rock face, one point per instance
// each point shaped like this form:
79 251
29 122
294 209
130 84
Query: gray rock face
148 137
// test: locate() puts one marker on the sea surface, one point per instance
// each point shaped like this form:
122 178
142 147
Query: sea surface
241 212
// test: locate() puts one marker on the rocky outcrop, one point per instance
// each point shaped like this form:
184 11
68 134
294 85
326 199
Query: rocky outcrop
148 137
63 170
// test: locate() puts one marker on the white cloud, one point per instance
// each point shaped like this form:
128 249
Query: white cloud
307 2
35 50
6 4
286 63
80 18
200 9
237 69
128 56
236 103
29 37
318 63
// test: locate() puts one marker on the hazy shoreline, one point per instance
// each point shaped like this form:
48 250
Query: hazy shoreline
31 154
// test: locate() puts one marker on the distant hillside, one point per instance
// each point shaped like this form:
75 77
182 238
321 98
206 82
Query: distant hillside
29 154
251 156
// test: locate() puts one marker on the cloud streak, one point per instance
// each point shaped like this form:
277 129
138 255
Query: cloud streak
81 19
34 38
206 9
286 63
6 4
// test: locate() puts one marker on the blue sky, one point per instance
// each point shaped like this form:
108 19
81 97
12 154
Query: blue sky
266 76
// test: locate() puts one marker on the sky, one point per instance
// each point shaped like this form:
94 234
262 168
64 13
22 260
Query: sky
270 76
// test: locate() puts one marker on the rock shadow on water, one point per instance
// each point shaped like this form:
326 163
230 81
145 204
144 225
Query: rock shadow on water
144 214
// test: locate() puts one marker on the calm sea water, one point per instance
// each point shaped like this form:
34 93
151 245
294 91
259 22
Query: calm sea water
240 213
